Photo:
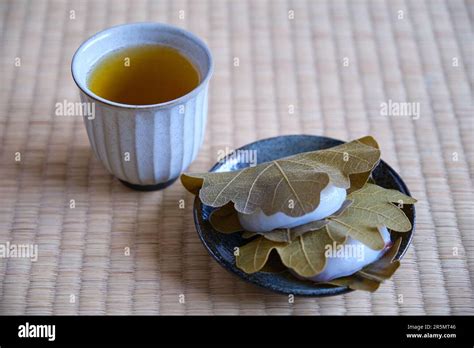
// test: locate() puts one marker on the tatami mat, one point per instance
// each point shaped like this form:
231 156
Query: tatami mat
326 71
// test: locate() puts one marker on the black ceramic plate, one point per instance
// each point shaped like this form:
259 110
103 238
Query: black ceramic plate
221 246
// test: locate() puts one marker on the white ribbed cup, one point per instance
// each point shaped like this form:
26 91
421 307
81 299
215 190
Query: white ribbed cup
145 144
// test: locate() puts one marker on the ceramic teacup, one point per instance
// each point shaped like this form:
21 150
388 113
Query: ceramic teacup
145 146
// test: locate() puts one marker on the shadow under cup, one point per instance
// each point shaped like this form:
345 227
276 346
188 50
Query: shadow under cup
145 146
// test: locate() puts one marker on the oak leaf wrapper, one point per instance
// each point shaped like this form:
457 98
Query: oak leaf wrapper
304 250
372 207
300 178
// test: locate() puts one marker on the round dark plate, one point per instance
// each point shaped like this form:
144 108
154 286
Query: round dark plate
221 246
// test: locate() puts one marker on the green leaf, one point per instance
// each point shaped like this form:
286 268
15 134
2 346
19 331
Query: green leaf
253 256
225 219
306 254
299 178
372 208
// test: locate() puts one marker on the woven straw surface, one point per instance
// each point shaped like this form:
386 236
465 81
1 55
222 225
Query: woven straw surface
324 71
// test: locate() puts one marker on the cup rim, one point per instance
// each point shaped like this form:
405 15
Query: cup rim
85 89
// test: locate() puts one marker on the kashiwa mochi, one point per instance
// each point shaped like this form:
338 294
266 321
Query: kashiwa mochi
352 257
331 200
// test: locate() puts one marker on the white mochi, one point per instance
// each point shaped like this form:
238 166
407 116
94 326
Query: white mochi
337 267
331 200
